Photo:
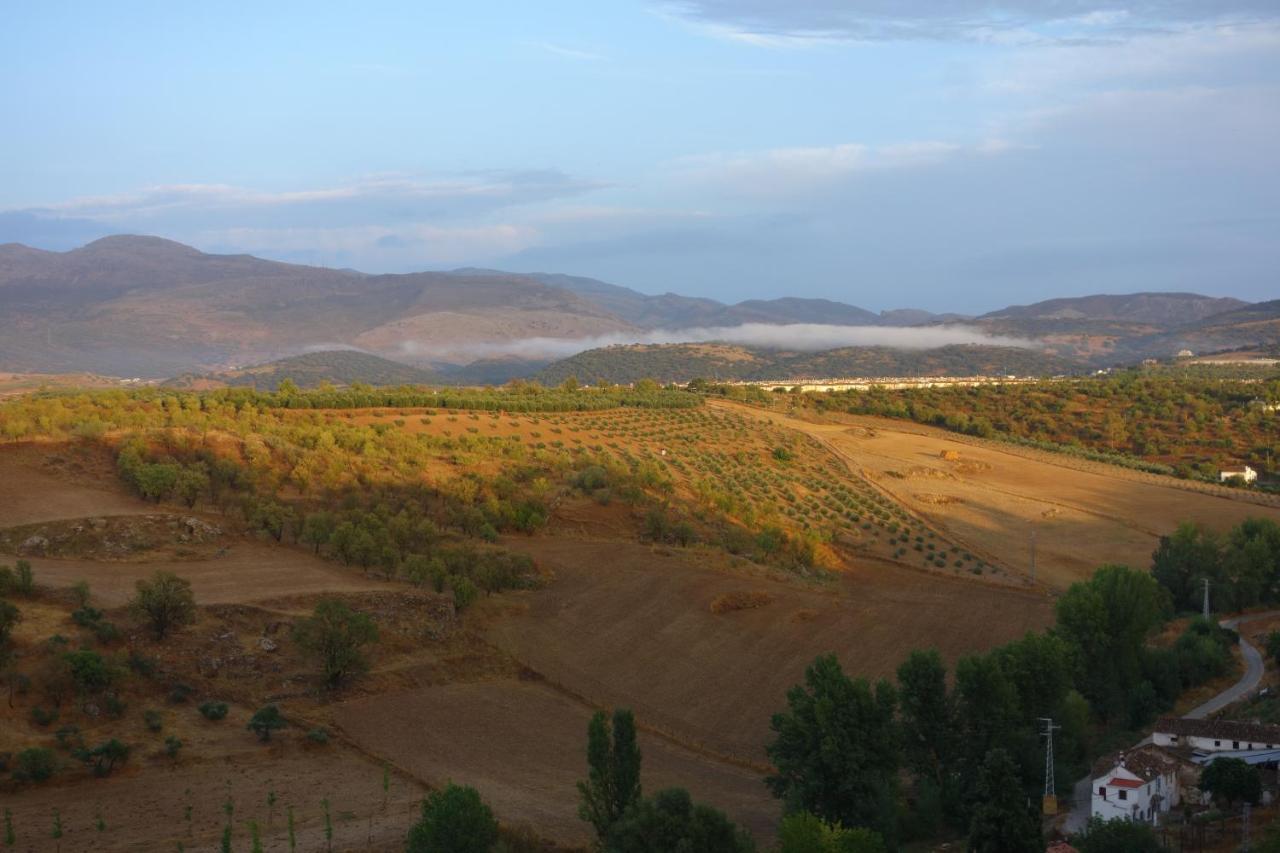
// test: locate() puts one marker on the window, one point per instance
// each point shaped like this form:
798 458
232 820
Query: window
1217 743
1235 744
1102 791
1124 795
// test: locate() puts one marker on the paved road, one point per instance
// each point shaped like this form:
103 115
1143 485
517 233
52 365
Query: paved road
1253 669
1082 791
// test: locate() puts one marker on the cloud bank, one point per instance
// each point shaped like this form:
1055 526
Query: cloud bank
770 23
804 337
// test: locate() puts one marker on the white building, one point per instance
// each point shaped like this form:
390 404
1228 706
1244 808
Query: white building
1140 784
1243 473
1215 735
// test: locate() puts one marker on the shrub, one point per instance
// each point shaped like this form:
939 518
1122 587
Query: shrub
336 636
464 592
165 601
180 693
266 720
171 746
41 717
455 819
36 764
24 582
153 720
213 710
320 736
105 756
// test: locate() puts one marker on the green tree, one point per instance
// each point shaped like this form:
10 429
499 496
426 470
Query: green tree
155 480
89 671
336 636
1117 836
166 601
803 832
1004 821
671 821
836 749
928 716
10 616
24 582
317 528
613 770
190 483
1107 620
1231 781
266 720
1182 561
454 820
1273 644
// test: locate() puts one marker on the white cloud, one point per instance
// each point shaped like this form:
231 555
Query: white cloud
805 337
772 24
375 200
569 52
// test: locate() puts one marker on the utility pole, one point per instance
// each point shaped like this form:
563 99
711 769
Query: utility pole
1050 802
1245 829
1206 598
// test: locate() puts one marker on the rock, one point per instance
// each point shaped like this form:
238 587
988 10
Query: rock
267 644
200 530
34 546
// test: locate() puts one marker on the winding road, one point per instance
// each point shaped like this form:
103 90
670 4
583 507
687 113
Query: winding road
1082 791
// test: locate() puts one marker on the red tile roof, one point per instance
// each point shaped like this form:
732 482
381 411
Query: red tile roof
1117 782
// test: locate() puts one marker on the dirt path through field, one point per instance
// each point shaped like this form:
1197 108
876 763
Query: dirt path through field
993 499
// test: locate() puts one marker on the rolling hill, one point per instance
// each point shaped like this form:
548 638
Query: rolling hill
148 307
337 367
683 362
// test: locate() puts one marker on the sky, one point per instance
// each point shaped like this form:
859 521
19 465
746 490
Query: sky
954 156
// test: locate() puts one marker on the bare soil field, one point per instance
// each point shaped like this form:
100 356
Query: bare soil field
992 499
144 805
250 571
623 624
35 489
524 745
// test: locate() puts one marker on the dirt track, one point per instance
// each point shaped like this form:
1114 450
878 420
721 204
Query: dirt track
992 498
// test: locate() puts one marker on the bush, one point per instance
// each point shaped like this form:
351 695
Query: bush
165 601
464 592
320 736
171 746
336 636
24 582
36 764
153 720
180 693
456 820
266 720
105 756
213 710
41 717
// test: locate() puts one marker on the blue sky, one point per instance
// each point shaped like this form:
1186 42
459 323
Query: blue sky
887 154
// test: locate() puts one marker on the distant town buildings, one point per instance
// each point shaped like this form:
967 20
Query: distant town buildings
1242 472
1185 353
1215 735
1266 406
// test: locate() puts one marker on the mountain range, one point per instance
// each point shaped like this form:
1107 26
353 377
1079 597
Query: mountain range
144 306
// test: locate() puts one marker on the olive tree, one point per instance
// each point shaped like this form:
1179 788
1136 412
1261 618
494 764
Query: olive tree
336 636
165 601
